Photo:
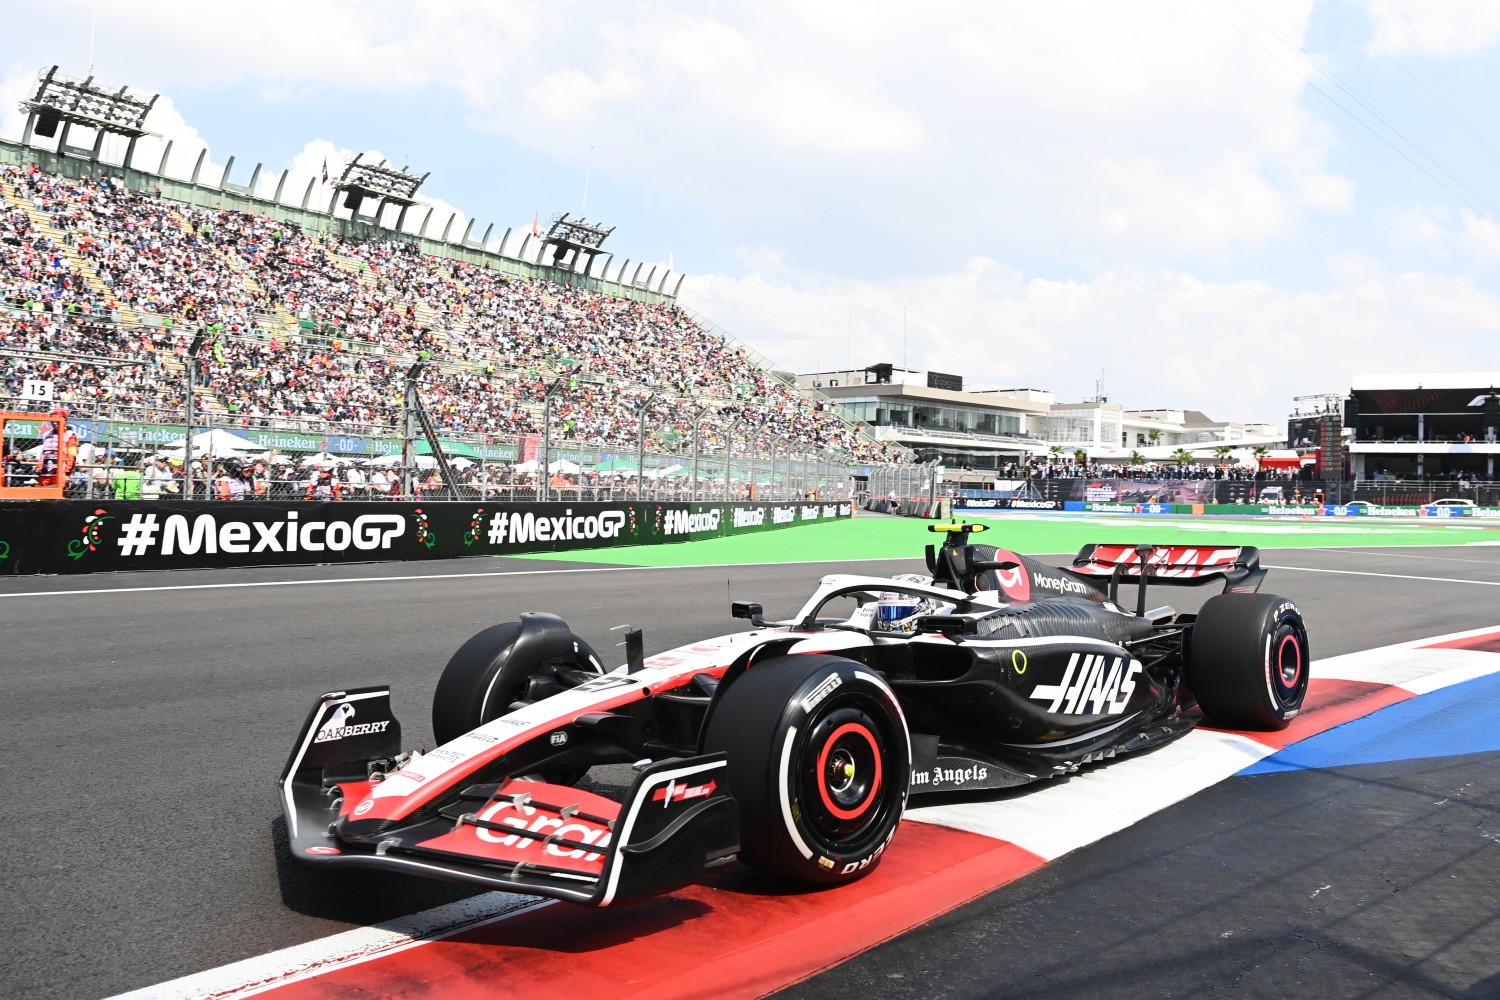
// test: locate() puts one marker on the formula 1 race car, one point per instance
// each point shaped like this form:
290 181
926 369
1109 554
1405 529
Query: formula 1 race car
794 745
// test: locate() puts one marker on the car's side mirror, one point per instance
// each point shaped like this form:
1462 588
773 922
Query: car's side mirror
747 609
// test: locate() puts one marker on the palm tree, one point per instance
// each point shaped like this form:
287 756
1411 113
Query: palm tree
1056 450
1260 451
1154 435
1081 457
1222 452
1136 458
1182 456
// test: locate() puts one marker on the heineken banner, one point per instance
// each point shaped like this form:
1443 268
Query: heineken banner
89 536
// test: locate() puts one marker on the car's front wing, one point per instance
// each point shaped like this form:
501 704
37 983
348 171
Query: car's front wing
520 835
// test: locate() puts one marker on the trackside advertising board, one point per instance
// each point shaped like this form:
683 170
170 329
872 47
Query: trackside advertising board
1361 509
88 536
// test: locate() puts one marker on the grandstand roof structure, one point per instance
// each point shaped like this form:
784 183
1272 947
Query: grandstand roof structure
301 336
299 315
124 112
63 101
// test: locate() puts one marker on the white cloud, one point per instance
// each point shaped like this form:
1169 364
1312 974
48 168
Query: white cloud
306 167
1467 239
1238 350
1136 136
1035 185
1481 236
569 95
16 85
168 125
1437 28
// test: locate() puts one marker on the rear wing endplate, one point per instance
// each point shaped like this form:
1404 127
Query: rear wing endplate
1175 565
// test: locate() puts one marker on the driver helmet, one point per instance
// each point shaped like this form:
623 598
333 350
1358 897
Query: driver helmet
898 612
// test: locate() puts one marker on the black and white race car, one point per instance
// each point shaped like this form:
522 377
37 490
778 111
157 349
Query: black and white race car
793 746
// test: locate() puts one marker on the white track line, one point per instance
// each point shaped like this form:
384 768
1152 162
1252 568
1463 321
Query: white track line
1390 576
421 576
1423 553
1049 820
279 968
96 591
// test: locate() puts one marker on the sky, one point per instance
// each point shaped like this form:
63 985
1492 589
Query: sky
1217 205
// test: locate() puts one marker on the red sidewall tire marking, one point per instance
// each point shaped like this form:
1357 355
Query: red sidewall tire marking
1289 685
828 803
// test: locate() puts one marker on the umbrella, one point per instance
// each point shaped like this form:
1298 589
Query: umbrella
527 467
322 458
616 465
565 467
670 470
393 461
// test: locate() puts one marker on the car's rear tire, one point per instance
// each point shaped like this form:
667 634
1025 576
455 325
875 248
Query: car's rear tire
819 762
495 669
1248 659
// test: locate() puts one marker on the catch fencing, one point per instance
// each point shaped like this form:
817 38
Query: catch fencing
117 444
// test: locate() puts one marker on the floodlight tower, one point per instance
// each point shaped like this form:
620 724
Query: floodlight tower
60 100
381 181
571 239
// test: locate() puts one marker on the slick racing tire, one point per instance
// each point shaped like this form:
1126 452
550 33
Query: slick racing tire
1248 659
819 762
505 664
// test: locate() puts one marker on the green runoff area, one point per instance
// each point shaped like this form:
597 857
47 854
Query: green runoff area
882 537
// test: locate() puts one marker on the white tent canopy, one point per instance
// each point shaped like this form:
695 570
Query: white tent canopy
323 458
394 461
217 442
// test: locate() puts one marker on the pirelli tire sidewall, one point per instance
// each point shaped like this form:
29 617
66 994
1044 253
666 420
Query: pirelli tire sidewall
1248 661
820 763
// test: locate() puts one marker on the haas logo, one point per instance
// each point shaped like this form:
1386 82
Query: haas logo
337 721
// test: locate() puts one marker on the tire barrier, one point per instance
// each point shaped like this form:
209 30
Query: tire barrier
67 536
911 507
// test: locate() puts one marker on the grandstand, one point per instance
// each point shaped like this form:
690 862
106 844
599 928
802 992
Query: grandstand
311 321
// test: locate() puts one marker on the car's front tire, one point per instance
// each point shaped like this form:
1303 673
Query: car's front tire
1248 659
819 762
496 668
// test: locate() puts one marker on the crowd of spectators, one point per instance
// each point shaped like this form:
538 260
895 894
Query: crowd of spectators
1040 468
317 332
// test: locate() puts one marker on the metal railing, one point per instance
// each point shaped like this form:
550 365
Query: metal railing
118 444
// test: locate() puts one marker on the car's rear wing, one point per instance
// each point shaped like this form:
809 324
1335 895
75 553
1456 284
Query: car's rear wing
1176 565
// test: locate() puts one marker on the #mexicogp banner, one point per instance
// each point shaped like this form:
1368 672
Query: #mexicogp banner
91 536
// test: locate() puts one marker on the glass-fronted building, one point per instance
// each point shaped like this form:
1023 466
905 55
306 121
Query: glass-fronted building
1421 426
969 433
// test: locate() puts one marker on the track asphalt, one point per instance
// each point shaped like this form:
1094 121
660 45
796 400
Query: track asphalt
148 725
